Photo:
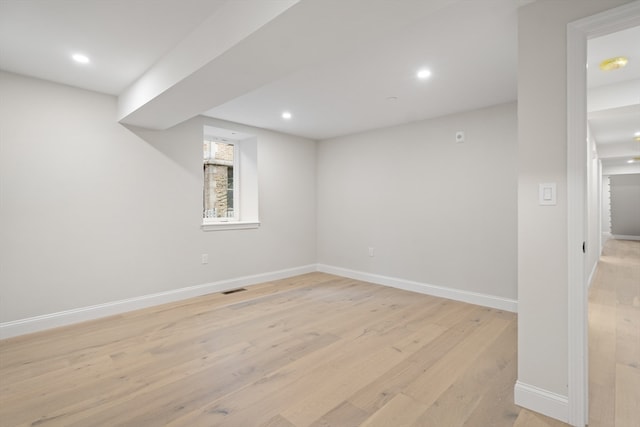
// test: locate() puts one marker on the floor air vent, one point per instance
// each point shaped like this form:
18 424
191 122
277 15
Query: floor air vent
233 291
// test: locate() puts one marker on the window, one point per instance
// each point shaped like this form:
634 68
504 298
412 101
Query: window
230 180
220 170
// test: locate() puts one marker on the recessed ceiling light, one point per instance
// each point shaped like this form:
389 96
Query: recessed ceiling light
286 115
80 58
423 74
613 63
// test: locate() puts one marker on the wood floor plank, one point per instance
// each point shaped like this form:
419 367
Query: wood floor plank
196 389
298 379
531 419
627 337
278 421
602 356
614 334
458 402
381 390
627 396
402 410
427 387
496 407
345 414
343 382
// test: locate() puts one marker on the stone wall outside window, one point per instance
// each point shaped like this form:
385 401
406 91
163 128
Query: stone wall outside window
218 179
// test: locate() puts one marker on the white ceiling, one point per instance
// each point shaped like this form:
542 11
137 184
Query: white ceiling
345 59
124 38
339 66
614 97
470 48
622 43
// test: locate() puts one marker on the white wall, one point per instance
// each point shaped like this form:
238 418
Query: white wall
629 206
436 211
625 205
594 209
542 230
92 212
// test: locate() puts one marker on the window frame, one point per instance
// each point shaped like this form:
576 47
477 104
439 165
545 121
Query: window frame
245 182
236 184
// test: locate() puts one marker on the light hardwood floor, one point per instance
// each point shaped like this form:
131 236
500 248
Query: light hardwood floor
315 350
614 337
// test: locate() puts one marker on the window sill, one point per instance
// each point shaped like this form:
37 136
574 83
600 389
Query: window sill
230 225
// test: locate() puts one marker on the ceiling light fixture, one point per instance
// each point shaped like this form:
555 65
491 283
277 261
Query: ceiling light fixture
423 74
630 161
636 136
286 115
613 63
80 58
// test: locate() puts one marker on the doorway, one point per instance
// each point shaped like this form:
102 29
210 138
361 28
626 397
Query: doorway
578 34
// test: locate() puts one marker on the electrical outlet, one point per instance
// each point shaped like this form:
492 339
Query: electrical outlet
371 251
205 258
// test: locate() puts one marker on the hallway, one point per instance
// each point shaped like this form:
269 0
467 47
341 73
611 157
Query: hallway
614 337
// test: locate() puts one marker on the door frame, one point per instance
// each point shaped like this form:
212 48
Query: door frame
578 34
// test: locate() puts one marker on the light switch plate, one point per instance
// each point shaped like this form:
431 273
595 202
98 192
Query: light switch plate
547 194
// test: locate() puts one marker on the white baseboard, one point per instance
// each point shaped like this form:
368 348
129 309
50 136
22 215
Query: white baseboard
625 237
423 288
54 320
543 401
82 314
